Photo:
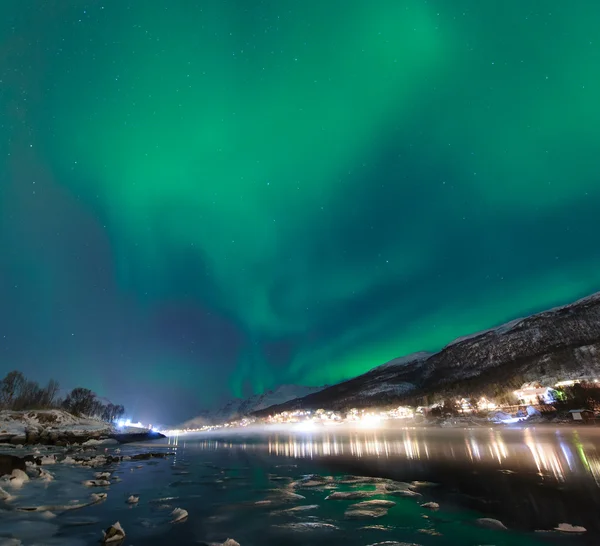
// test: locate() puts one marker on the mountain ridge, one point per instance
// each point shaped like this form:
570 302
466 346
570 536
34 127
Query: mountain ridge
560 342
238 408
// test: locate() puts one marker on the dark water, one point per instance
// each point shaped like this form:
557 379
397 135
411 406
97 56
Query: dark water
240 486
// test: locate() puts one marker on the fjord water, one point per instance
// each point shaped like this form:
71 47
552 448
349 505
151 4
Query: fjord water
243 485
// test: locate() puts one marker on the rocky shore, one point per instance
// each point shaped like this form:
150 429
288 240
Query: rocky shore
57 427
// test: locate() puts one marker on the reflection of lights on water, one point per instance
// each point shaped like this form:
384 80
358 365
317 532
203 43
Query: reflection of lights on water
545 457
549 455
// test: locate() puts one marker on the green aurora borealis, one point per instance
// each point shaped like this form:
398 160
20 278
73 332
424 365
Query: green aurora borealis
205 199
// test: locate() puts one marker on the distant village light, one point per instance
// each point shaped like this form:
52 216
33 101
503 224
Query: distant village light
533 393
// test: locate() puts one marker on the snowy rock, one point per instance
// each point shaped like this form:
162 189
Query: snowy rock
96 483
568 528
48 459
98 497
392 543
350 495
303 526
431 505
114 534
405 493
178 515
417 483
312 480
102 475
18 478
44 475
380 503
365 513
490 523
133 500
69 460
296 509
104 442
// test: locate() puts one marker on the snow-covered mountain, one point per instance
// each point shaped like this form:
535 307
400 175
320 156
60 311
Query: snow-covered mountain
238 407
562 343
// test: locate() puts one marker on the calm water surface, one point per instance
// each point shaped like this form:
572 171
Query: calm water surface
243 485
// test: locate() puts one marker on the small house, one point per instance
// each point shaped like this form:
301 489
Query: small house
533 393
583 415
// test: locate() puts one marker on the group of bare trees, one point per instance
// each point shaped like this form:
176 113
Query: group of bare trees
19 393
82 401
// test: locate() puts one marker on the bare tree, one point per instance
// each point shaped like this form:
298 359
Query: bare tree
10 388
81 401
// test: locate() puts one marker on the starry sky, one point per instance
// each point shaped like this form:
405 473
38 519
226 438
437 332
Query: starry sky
206 199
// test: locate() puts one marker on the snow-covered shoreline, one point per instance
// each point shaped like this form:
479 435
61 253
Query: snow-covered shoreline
58 427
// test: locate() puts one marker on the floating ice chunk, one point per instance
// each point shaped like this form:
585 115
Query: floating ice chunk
96 483
133 500
490 523
178 515
115 533
431 505
230 542
568 528
102 475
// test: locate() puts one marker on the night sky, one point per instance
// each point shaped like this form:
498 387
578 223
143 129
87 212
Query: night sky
202 199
